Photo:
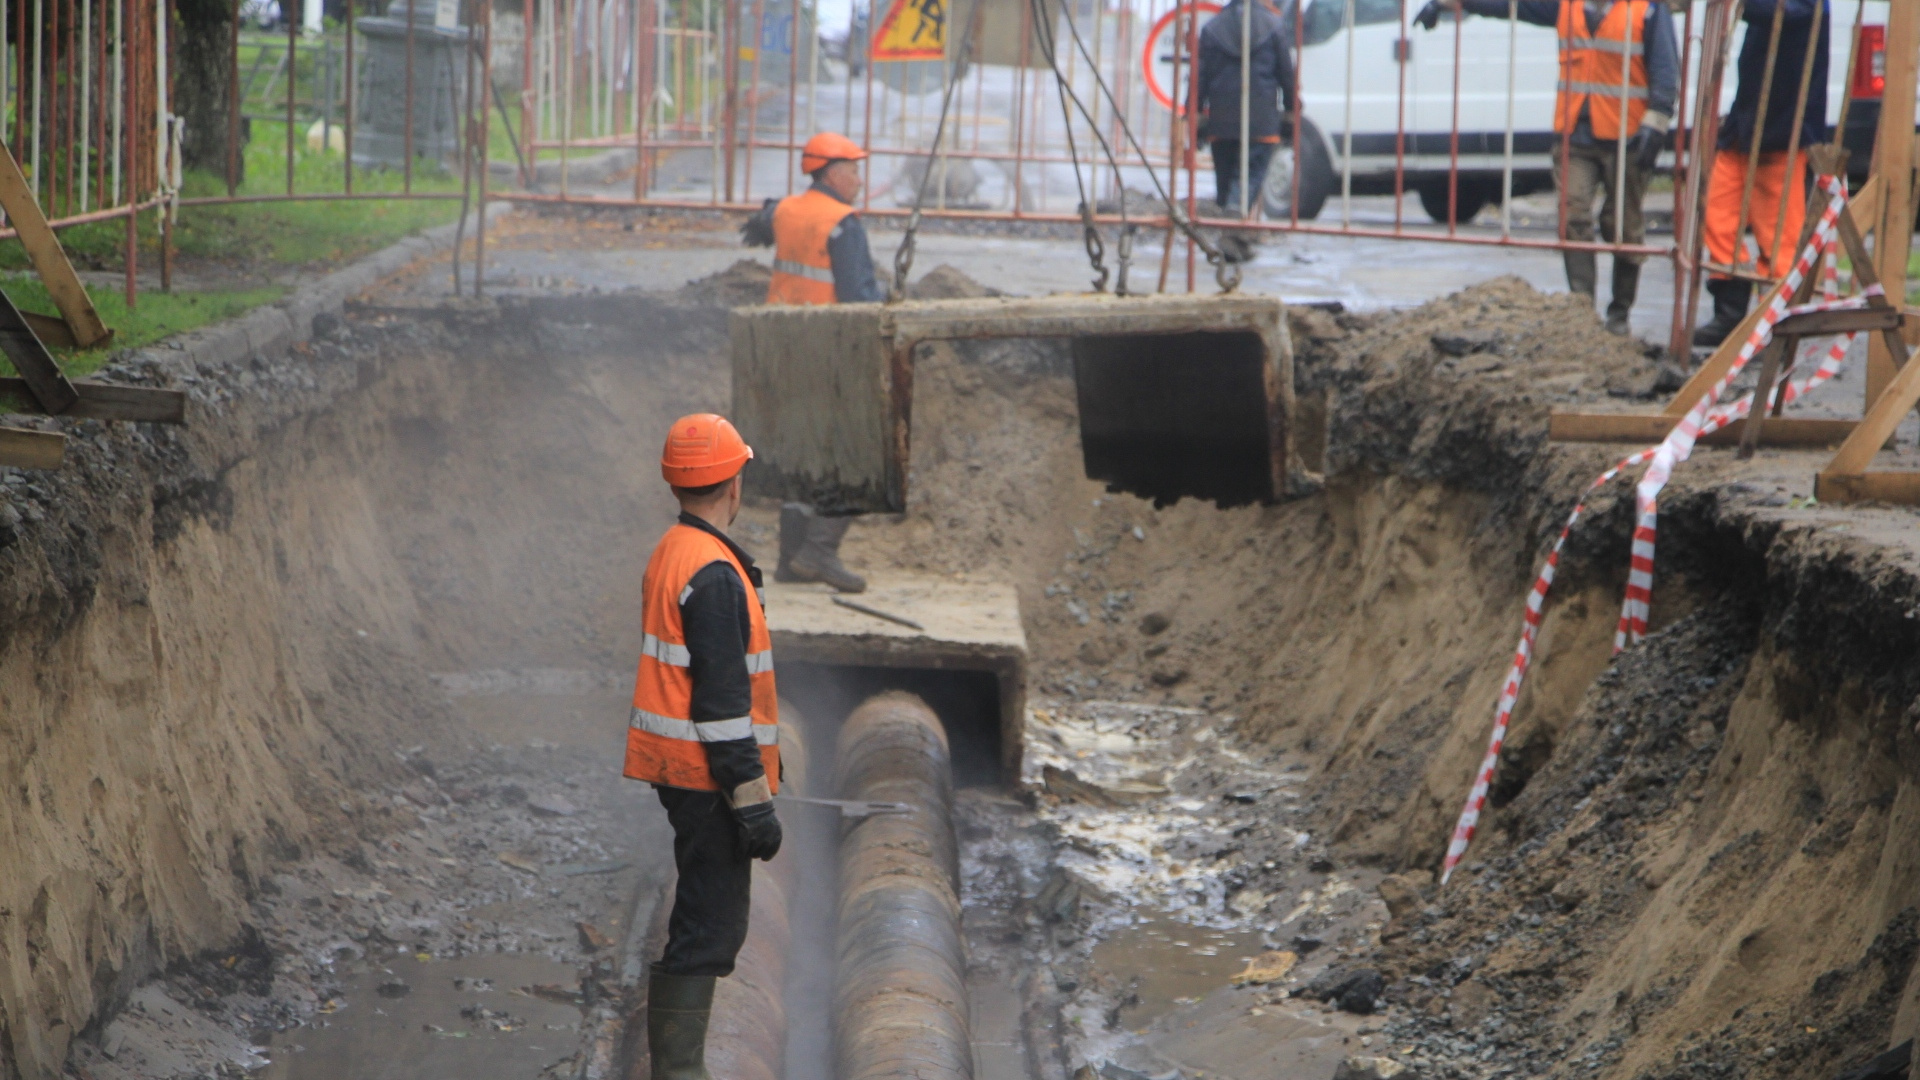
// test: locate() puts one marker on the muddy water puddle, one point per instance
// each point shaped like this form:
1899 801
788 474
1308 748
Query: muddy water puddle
473 1018
1167 964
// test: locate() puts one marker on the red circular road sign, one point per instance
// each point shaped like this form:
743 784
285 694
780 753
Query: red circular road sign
1156 60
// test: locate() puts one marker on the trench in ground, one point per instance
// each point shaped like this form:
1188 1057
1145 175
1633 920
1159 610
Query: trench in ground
1252 714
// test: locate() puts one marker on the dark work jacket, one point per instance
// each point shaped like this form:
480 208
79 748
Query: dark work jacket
1736 131
1271 70
714 618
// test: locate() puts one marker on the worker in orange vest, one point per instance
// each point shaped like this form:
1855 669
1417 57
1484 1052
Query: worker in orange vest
704 732
1613 53
1775 179
820 256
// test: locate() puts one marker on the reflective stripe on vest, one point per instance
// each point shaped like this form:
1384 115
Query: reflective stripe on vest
664 744
802 269
811 273
740 727
1599 66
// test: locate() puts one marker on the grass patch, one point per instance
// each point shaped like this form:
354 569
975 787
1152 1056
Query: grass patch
158 315
283 233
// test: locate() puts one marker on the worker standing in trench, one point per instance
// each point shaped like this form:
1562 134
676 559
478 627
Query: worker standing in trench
704 732
820 256
1774 177
1619 79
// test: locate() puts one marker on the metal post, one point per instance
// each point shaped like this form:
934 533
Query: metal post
351 81
406 134
1346 138
486 144
1246 100
293 78
1506 164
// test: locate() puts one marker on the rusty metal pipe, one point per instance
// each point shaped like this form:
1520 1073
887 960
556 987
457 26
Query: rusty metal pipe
901 1002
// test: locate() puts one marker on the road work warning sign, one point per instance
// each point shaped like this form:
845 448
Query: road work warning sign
912 30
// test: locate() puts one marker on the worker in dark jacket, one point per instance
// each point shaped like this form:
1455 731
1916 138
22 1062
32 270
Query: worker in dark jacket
1268 73
1776 178
1610 50
705 732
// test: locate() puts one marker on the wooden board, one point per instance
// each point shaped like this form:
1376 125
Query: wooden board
1839 321
25 449
104 401
1892 163
1645 429
1891 487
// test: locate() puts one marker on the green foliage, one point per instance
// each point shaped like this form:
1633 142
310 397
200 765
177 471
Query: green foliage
156 315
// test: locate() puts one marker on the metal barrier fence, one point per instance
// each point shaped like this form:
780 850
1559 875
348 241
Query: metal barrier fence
1461 115
1056 104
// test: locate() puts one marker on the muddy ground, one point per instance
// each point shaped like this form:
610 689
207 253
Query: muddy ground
1251 728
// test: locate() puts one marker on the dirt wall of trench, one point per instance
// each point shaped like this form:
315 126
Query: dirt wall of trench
213 639
1698 859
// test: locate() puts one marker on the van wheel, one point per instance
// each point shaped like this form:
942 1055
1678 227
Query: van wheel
1474 195
1316 178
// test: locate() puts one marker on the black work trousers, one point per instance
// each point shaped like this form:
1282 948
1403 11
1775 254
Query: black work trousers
710 903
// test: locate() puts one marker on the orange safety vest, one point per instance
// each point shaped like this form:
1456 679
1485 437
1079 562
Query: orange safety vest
802 270
663 742
1590 68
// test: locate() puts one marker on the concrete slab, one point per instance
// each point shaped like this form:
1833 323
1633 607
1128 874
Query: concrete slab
1172 388
966 626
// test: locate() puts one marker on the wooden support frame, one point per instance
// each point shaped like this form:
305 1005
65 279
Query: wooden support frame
49 258
1893 381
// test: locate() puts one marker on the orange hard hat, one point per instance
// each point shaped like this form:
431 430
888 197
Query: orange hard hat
703 449
826 148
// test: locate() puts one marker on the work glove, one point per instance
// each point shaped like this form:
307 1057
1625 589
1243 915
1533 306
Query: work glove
1286 126
1645 146
759 830
758 230
1429 16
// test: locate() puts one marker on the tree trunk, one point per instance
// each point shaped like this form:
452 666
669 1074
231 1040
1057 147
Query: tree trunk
204 86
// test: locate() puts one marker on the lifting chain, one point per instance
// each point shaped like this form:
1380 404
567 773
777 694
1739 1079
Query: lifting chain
1096 247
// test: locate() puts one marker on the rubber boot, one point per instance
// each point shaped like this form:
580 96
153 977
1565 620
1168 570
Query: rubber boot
795 519
818 559
1581 272
677 1010
1626 286
1730 299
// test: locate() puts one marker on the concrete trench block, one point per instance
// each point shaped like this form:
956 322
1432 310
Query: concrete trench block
1180 396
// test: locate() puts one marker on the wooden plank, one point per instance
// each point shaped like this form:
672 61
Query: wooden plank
1645 429
106 401
1892 158
1866 279
49 258
1756 422
31 358
1841 321
24 449
1889 487
49 330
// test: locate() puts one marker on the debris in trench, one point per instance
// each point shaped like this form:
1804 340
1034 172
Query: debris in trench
1065 784
591 938
519 862
565 995
1268 967
1356 990
394 988
552 806
1373 1068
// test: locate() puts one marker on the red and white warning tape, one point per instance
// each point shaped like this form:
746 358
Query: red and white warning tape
1704 417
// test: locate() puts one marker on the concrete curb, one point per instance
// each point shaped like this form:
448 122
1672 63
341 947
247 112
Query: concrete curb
277 327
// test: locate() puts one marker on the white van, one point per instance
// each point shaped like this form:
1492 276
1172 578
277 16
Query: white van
1370 103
